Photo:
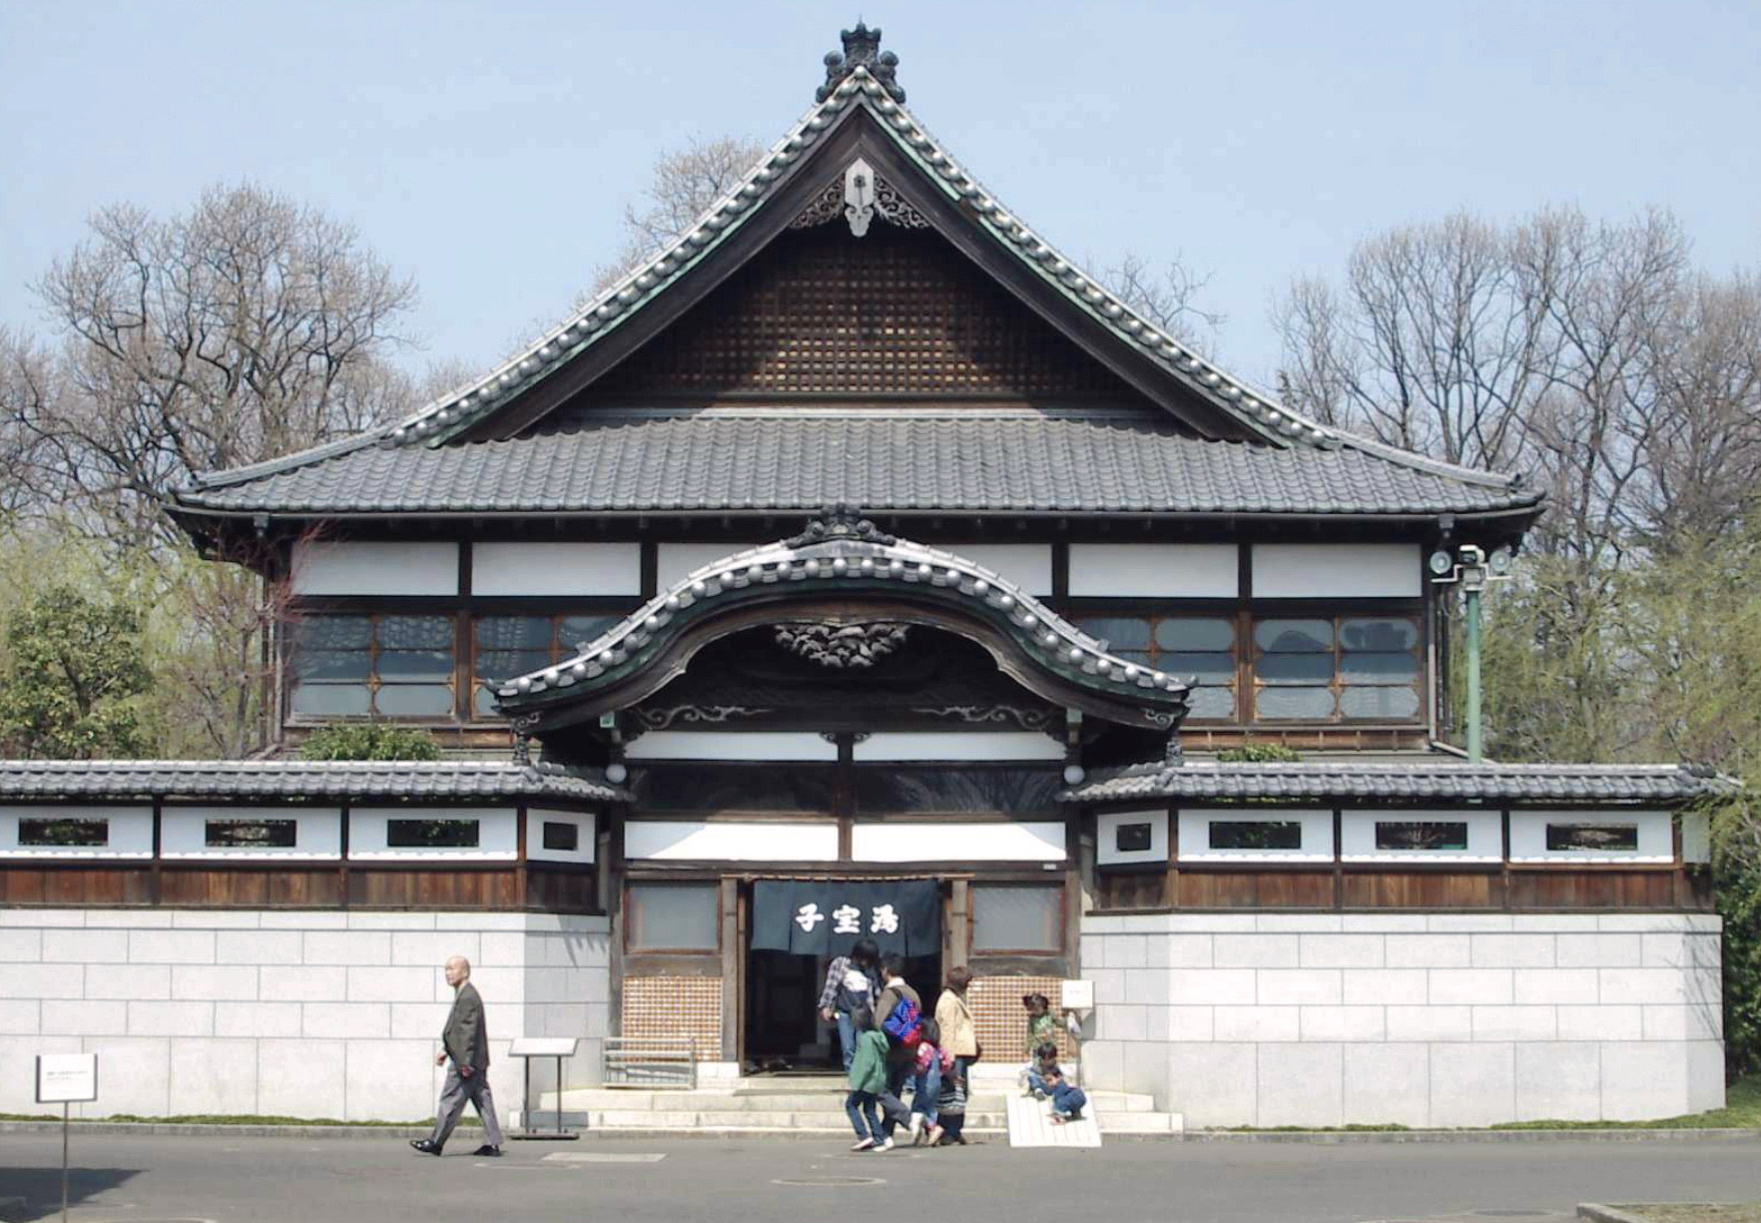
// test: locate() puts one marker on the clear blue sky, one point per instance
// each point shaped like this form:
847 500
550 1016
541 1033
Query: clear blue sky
488 149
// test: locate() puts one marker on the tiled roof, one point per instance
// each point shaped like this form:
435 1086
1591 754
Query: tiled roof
332 477
137 779
1515 783
978 460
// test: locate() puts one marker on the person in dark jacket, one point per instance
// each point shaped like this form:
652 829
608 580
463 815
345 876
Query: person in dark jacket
850 984
465 1042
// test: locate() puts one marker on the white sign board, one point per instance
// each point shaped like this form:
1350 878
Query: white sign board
543 1046
65 1078
1077 995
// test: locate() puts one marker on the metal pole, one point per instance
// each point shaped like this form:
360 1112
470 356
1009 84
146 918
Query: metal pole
1471 590
559 1093
64 1107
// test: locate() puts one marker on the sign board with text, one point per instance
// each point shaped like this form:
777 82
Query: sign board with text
1077 995
67 1078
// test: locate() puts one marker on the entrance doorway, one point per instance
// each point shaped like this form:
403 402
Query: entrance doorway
781 1029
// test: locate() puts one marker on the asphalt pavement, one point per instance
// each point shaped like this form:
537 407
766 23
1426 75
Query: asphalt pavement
373 1179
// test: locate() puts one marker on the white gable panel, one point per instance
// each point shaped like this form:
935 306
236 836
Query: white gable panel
947 842
556 569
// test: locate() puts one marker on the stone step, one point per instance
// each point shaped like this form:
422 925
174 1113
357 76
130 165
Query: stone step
827 1101
715 1122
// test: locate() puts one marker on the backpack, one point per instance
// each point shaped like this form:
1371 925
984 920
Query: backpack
903 1023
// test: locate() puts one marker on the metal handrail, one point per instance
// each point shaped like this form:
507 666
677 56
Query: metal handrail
656 1062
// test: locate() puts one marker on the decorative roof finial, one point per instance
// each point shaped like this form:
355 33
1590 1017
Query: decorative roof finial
861 49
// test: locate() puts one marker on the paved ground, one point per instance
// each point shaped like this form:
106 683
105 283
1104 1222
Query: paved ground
144 1179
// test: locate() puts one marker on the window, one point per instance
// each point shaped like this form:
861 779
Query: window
672 917
365 665
1348 668
510 646
1017 918
432 834
1594 838
566 837
56 833
1197 649
1436 835
1255 834
251 834
1133 838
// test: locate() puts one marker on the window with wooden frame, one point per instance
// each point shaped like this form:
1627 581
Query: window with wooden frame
672 917
1017 918
505 647
374 664
1351 668
1198 649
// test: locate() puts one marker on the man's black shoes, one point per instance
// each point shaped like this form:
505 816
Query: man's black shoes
425 1146
486 1151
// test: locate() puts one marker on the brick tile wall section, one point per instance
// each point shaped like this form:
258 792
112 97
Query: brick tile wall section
676 1007
1413 1018
1001 1020
300 1013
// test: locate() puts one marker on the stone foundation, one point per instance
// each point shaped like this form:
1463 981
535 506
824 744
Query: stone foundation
1415 1019
288 1013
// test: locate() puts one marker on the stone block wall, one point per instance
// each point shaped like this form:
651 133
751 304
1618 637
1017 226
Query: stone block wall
288 1013
1415 1019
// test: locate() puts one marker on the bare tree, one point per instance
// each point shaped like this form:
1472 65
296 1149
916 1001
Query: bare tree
27 386
248 328
686 182
1167 297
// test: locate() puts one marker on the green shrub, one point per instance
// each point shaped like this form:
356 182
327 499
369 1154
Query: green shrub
1259 753
1736 824
369 741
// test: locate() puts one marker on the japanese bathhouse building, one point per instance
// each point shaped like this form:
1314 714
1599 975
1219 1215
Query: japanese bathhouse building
859 564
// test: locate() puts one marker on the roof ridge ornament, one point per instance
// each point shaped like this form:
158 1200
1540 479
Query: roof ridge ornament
840 521
861 50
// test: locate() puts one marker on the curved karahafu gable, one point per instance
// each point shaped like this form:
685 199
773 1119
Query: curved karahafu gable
844 570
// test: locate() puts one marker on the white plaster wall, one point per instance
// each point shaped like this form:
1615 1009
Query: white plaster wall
1413 1018
1029 566
1150 571
1308 571
293 1013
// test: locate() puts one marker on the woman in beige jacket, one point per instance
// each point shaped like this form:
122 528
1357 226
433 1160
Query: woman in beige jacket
955 1021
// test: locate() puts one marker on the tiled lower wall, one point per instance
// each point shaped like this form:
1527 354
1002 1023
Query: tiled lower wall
289 1013
675 1008
1000 1020
1416 1019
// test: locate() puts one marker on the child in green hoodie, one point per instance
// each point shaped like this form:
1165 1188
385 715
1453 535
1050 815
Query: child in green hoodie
868 1081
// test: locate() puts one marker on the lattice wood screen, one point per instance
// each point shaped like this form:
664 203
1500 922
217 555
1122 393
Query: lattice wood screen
1001 1020
676 1007
897 313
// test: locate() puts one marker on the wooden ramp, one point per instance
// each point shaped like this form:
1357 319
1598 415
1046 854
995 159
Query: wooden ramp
1030 1125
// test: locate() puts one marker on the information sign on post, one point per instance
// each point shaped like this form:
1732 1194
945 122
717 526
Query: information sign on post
64 1079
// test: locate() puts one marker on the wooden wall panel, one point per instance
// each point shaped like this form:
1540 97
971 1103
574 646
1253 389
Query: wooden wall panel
1134 890
1422 890
562 891
1592 889
1254 889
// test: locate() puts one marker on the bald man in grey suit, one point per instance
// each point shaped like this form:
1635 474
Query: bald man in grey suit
465 1041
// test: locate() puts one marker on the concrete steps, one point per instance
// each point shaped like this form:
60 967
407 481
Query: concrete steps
761 1106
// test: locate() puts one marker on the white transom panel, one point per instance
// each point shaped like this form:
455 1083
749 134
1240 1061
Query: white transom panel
730 841
1390 836
940 745
1362 571
497 837
375 567
1199 843
128 832
543 824
1027 566
184 833
732 745
674 562
1117 831
924 841
556 569
1155 571
1591 836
